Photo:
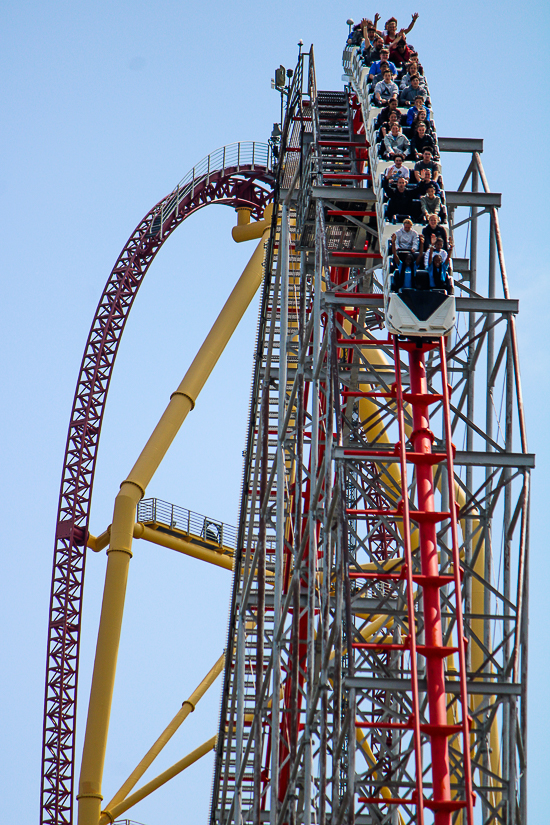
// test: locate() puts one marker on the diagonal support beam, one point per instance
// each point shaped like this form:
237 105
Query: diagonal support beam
187 707
109 816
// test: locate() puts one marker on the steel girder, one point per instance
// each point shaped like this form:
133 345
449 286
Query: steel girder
295 699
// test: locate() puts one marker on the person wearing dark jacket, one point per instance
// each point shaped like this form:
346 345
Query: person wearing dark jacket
426 163
400 202
424 182
422 140
384 115
433 231
385 128
409 95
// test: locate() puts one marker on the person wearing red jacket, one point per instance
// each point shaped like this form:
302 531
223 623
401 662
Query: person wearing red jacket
390 33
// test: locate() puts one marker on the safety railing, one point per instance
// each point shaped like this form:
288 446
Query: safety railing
234 156
246 155
127 822
153 510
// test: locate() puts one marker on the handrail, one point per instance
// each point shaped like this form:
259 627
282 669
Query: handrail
244 153
187 521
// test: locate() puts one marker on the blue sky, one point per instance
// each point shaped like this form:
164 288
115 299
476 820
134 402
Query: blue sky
105 108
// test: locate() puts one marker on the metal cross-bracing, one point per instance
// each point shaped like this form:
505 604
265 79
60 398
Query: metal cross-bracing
239 175
378 634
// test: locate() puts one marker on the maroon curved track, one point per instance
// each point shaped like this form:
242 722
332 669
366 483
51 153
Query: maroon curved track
246 186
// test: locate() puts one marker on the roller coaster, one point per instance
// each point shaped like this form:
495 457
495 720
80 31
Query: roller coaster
375 669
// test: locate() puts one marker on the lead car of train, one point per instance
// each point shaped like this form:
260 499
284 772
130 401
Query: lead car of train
420 310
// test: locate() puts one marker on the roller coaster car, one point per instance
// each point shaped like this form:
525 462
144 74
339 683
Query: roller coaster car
421 311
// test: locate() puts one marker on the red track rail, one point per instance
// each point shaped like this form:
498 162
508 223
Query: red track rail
245 185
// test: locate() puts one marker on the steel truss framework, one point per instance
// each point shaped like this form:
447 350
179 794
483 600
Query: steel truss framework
377 652
239 175
378 634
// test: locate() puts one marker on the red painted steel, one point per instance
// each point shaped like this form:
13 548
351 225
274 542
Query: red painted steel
434 650
244 186
443 801
457 582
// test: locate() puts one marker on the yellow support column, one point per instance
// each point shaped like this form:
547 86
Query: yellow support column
131 492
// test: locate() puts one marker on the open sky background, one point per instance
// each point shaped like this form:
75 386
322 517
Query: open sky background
105 107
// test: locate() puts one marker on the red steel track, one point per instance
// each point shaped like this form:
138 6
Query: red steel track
246 185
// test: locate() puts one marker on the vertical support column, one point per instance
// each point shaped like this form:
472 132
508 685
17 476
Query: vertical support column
524 648
326 568
280 505
470 406
421 438
240 666
312 537
489 419
298 528
509 720
260 616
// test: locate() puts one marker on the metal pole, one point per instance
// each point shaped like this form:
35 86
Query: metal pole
312 549
260 618
284 240
524 641
489 419
508 732
470 406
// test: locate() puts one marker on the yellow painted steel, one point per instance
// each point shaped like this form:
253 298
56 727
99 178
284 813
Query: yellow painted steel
187 707
109 816
119 553
246 231
243 216
98 543
220 559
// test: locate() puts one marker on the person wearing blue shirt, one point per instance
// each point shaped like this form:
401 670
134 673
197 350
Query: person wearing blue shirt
414 110
405 272
376 66
437 266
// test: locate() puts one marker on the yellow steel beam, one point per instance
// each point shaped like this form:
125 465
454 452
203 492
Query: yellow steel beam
98 543
221 559
109 815
132 490
187 708
246 231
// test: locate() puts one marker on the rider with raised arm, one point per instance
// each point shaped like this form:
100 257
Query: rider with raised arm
391 34
398 170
